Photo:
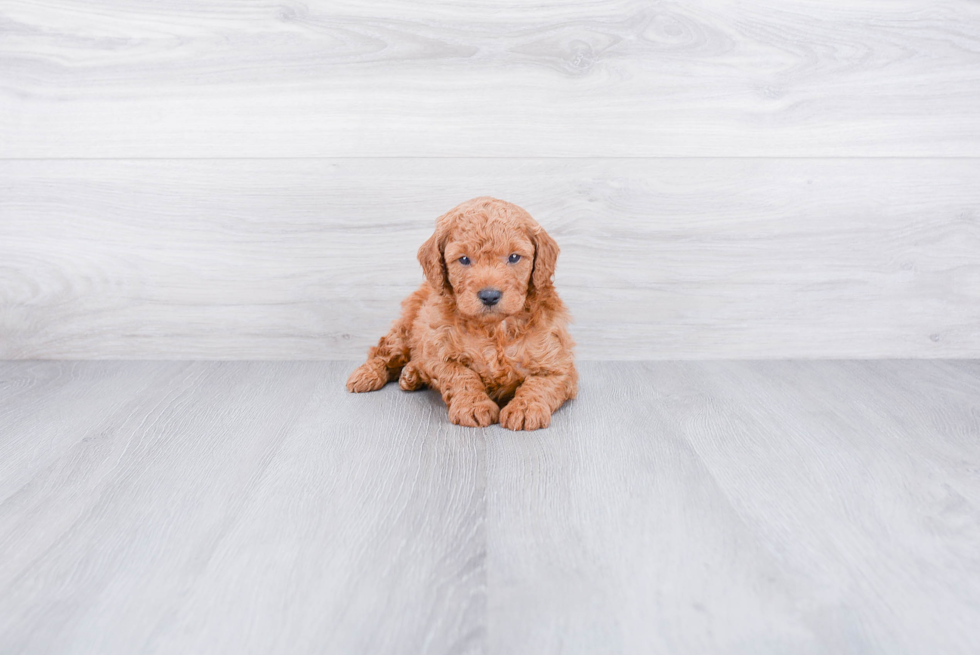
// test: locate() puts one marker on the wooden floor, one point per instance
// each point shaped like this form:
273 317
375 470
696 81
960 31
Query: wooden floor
695 507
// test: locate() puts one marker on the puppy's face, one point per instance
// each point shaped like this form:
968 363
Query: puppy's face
489 276
489 255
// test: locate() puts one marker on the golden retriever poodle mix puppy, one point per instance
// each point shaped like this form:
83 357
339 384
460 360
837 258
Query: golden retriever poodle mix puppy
486 328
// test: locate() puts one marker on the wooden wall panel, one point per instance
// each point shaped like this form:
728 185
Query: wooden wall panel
224 78
250 179
661 258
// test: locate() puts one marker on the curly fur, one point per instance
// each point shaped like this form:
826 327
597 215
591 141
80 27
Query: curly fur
511 362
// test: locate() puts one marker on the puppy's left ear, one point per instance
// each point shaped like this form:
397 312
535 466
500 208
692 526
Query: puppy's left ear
545 257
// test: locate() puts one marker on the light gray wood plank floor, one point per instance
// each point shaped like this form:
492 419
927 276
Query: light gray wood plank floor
674 507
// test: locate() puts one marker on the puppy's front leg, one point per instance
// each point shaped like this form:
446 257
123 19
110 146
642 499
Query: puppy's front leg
535 401
465 395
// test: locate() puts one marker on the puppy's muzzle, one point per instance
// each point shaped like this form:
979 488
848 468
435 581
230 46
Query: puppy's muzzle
489 297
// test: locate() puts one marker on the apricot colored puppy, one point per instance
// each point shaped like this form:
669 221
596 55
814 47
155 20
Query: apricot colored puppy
486 329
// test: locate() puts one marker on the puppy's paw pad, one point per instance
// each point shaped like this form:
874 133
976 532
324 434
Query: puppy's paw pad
473 413
410 380
521 415
367 377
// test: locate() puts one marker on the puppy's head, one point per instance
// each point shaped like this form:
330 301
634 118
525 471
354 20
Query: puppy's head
490 256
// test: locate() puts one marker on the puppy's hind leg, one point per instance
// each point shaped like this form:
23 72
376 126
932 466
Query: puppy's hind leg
385 361
411 378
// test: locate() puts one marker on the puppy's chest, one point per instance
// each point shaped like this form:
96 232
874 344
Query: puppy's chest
500 363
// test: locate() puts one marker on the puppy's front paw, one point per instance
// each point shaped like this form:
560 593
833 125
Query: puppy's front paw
473 411
520 414
367 377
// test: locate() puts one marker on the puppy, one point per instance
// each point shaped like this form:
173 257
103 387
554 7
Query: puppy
486 328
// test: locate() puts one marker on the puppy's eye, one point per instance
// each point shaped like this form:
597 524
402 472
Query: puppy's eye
514 258
464 260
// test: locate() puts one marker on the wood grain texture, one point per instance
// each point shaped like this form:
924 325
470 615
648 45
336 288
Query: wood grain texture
674 507
661 259
248 508
726 507
223 78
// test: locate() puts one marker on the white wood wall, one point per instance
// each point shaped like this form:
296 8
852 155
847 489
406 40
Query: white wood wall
227 179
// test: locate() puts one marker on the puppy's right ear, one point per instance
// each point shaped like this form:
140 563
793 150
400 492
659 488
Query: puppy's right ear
433 263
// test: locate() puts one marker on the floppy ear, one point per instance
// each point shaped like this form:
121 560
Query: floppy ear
433 264
545 258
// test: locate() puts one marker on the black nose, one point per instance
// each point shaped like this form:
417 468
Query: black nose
489 297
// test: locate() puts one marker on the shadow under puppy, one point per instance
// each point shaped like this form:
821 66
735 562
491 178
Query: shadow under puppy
486 328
